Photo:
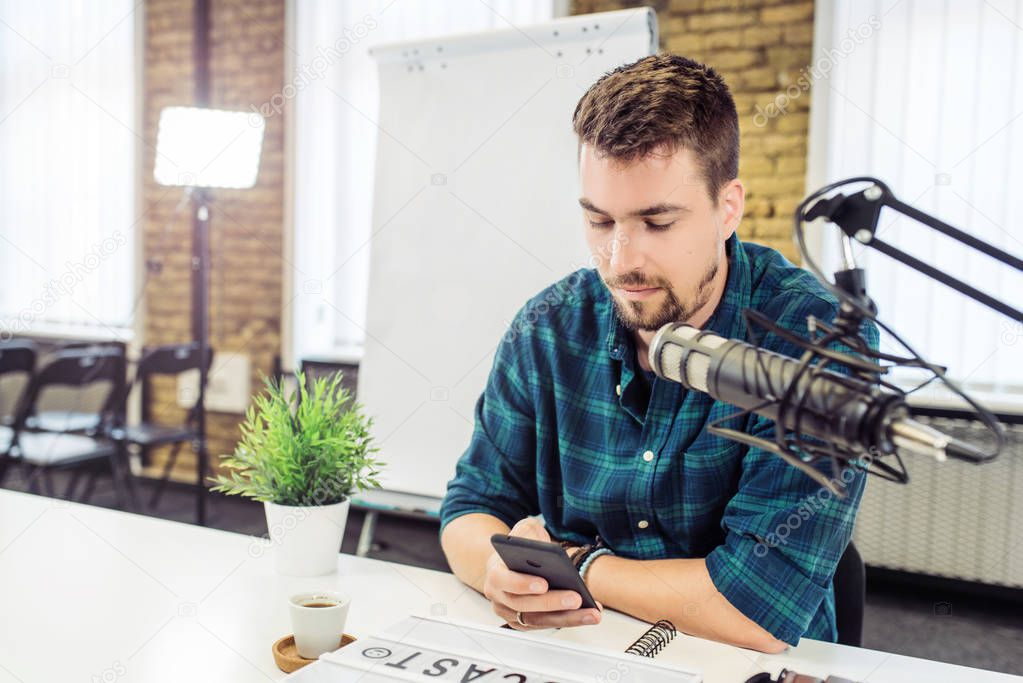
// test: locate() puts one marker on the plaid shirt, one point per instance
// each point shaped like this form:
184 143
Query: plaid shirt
570 427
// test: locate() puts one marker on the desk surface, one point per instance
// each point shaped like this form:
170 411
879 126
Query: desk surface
95 594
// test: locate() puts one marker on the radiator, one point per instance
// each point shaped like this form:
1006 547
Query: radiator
953 519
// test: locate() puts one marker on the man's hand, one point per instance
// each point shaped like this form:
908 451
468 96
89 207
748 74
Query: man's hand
515 596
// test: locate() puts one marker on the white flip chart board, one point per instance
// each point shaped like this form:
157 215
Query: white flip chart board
475 211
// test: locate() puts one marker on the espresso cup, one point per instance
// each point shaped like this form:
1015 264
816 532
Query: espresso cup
318 621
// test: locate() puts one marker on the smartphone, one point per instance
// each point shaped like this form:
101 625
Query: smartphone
546 560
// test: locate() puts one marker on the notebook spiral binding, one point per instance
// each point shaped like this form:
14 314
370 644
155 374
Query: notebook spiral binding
654 640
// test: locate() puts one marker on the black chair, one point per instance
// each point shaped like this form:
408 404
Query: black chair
850 594
17 357
87 422
39 452
316 368
171 359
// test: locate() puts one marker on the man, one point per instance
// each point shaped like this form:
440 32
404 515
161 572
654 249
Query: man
573 425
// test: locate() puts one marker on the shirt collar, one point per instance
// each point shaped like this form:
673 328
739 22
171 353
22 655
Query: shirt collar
726 320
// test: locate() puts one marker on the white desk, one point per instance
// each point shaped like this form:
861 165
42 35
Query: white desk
88 594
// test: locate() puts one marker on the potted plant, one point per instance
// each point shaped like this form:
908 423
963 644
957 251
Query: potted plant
302 454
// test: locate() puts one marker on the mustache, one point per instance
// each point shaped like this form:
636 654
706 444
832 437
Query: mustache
636 279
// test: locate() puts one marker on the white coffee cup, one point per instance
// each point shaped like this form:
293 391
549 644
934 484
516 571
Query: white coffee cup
318 620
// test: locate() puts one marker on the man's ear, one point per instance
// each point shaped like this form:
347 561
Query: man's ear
731 204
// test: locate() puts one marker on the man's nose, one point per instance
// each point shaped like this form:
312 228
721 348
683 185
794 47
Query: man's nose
626 255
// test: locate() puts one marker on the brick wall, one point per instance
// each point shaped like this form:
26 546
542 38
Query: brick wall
760 47
246 68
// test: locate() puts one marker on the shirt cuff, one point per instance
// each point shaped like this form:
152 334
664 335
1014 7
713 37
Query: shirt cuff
764 585
452 512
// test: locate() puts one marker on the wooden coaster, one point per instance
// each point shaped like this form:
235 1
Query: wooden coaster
286 653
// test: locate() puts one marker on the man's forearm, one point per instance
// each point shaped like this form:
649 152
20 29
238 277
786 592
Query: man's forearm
466 544
679 590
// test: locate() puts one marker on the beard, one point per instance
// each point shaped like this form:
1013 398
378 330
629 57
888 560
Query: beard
651 315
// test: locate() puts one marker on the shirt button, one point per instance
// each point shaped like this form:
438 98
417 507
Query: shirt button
643 524
618 389
648 456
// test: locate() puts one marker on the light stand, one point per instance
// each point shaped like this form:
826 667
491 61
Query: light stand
199 149
201 307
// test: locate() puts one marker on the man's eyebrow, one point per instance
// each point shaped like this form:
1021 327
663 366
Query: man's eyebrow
648 211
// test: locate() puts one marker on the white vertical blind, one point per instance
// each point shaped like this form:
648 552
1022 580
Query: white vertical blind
931 102
67 165
335 131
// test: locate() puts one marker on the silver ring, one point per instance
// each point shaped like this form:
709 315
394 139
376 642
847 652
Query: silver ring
518 620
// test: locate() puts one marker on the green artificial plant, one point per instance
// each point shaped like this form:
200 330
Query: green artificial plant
310 447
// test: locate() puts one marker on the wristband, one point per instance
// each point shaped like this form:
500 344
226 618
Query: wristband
589 560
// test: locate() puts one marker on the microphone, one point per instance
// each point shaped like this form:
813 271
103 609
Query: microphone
846 412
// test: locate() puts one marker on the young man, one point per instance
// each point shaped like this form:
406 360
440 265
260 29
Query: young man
721 539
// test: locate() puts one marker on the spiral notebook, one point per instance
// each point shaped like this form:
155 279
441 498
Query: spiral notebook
434 649
654 640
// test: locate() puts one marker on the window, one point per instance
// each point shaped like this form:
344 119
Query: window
67 171
333 116
928 97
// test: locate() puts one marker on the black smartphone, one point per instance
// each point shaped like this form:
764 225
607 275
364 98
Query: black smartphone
546 560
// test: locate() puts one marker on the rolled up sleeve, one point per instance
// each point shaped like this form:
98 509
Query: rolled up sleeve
497 473
784 532
784 537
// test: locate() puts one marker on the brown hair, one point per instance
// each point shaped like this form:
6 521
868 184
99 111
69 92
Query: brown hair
663 101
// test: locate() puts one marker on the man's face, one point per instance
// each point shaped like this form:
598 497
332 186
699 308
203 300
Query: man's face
656 238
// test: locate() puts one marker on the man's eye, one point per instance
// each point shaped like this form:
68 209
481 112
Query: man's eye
659 226
601 224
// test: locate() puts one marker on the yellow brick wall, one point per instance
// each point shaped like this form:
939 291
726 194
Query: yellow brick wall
761 47
246 68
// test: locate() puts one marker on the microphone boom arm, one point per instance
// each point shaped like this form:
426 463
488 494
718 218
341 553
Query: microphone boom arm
858 214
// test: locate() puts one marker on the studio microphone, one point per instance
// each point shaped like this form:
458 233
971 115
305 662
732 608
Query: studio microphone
847 412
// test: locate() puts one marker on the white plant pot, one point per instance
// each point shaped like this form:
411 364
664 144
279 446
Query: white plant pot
306 540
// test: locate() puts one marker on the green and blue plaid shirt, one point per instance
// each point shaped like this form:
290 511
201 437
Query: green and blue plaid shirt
570 427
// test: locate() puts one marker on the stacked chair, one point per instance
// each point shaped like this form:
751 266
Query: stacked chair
92 436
